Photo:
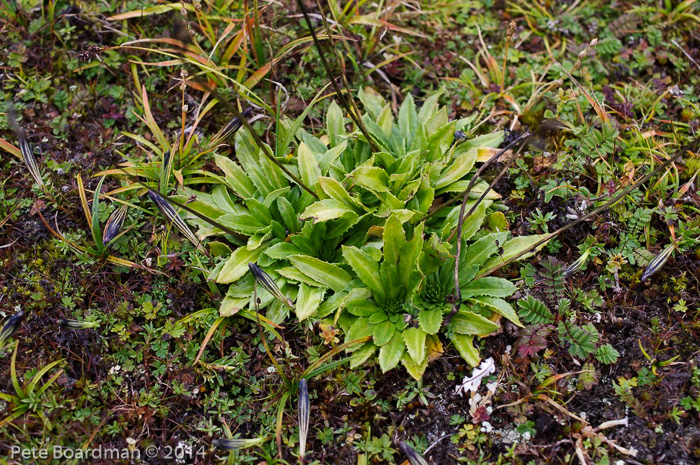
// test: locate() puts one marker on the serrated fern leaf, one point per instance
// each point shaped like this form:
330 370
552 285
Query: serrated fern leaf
582 340
534 311
607 354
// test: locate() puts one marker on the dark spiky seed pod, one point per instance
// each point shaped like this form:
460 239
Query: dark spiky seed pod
657 263
114 224
266 282
304 413
11 326
170 213
231 127
459 137
414 458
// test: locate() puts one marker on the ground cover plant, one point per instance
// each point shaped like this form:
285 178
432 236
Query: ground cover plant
350 232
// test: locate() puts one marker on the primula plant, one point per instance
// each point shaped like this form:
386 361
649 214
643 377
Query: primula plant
358 237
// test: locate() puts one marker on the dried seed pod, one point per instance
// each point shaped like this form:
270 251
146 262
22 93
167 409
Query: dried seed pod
114 224
25 149
414 458
169 212
231 127
236 444
657 263
266 282
575 266
304 413
76 324
11 326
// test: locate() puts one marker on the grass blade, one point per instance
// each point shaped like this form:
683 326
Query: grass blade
575 266
83 198
76 324
236 444
95 224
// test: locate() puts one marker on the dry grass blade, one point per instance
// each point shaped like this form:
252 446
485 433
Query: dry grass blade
114 225
83 198
9 148
24 149
170 213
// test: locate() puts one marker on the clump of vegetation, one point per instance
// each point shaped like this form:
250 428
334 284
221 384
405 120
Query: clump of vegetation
249 232
337 238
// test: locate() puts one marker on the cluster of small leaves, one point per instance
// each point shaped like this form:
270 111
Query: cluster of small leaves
582 341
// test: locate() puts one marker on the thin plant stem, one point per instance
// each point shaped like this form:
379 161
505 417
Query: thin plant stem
343 98
460 222
488 163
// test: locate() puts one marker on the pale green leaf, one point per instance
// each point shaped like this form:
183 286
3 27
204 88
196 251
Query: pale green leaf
334 123
415 343
499 306
366 269
323 272
513 248
237 264
414 369
465 346
390 355
236 177
308 301
359 329
470 323
361 355
335 190
383 332
489 286
326 210
308 165
457 169
430 320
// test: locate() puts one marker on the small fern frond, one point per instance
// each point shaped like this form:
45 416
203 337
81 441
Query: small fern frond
582 340
534 311
553 280
607 354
